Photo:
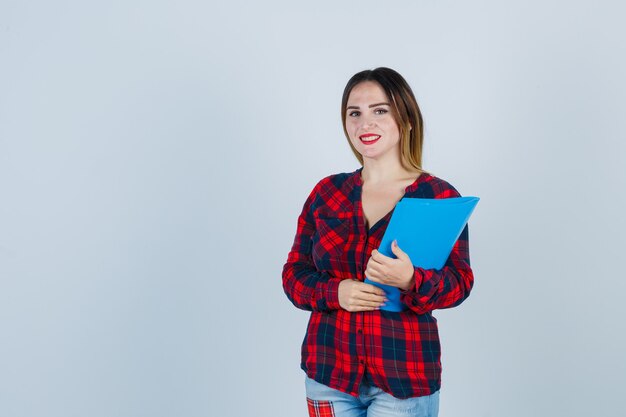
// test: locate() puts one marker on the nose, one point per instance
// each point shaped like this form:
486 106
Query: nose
367 121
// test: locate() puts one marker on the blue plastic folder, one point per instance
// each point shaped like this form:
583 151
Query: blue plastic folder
426 229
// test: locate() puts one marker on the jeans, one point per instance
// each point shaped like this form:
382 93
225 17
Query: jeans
324 401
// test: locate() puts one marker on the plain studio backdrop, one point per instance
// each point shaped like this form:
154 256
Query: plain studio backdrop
154 157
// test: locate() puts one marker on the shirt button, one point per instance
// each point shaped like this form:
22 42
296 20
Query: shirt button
359 331
362 362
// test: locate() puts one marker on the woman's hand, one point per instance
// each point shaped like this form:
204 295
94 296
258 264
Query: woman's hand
398 272
358 296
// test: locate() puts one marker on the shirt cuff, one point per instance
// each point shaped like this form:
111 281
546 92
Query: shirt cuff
410 296
419 274
332 294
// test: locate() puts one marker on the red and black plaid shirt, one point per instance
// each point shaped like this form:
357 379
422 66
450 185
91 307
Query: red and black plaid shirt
401 351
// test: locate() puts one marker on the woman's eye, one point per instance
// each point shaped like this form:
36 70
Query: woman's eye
380 111
354 114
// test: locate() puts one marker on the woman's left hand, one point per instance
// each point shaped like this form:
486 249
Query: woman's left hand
398 272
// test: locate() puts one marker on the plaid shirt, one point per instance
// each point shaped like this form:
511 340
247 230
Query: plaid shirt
400 351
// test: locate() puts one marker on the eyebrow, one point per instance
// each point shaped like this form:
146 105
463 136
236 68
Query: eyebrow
370 106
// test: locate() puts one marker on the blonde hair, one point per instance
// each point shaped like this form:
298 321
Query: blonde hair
405 111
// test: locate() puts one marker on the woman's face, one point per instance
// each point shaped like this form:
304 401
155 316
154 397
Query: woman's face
369 122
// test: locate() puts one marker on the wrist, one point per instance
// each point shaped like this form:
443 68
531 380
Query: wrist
409 282
409 285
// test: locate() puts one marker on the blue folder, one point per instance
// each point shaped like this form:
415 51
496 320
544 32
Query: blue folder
426 229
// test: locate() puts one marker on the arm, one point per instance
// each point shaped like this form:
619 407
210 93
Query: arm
305 286
446 287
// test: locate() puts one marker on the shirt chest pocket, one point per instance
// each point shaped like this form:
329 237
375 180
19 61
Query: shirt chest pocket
331 240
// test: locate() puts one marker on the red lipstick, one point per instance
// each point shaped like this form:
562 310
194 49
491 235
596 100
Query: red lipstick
369 138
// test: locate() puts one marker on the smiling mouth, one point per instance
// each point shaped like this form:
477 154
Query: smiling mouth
369 139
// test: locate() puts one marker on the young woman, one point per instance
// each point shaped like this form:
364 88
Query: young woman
361 360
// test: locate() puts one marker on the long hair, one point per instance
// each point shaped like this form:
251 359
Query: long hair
404 108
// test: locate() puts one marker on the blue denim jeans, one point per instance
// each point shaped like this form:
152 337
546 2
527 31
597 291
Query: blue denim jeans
324 401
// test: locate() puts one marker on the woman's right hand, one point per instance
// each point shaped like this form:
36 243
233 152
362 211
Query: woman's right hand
358 296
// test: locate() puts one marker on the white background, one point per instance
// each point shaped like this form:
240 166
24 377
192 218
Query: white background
154 157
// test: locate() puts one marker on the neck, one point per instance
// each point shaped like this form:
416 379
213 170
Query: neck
384 171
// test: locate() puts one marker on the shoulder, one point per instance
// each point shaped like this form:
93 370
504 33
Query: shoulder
336 182
339 179
431 186
333 192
